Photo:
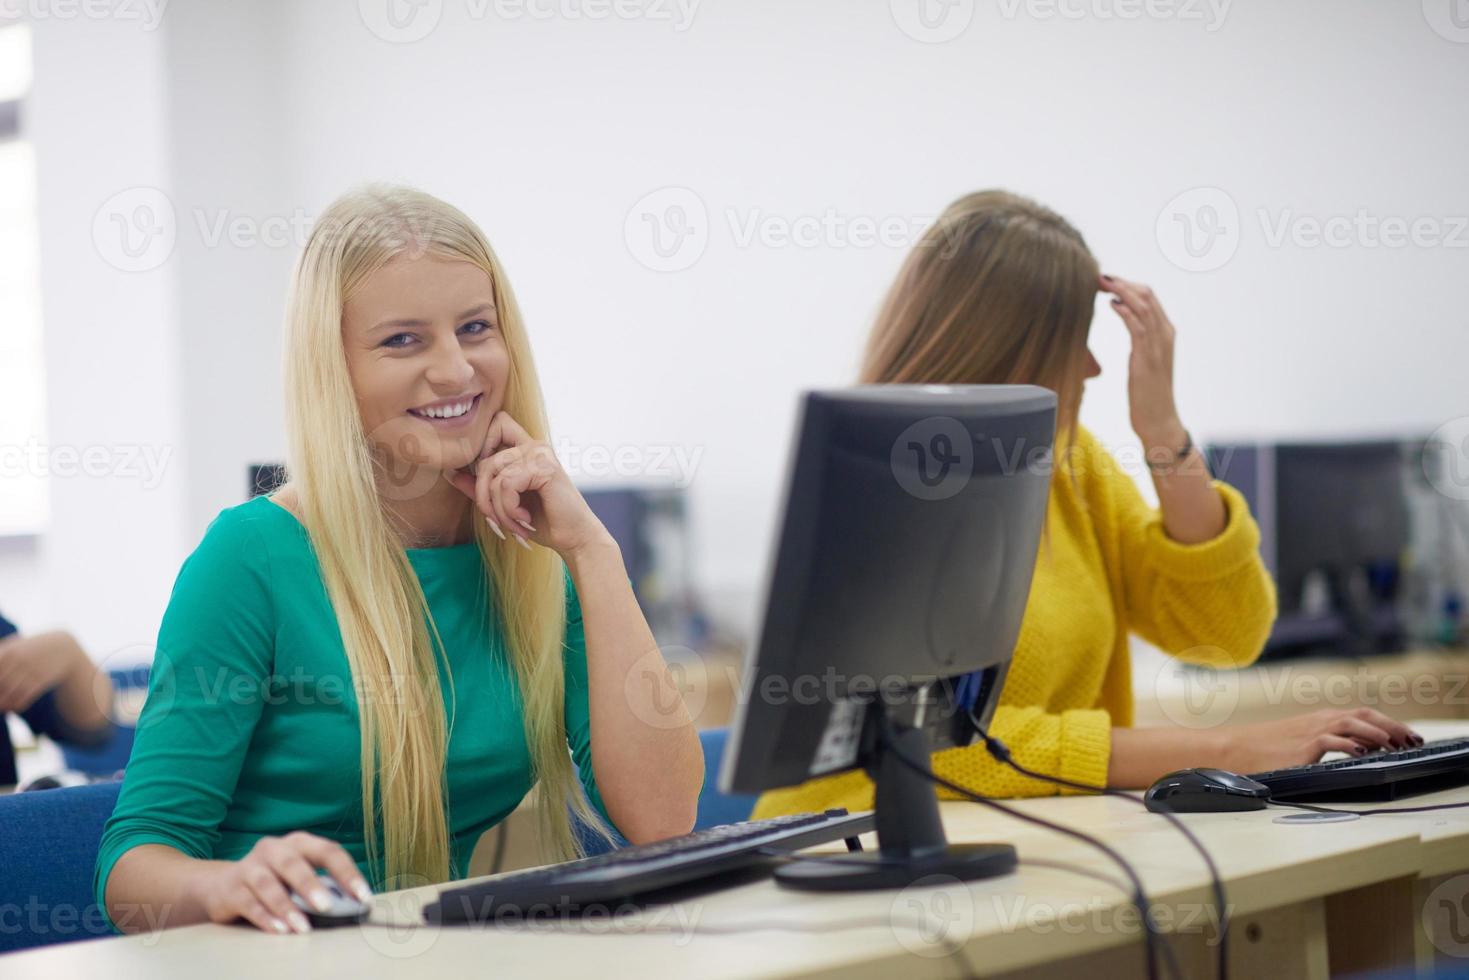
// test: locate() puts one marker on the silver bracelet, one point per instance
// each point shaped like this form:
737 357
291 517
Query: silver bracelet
1166 467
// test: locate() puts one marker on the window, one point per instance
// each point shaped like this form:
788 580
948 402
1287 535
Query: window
23 454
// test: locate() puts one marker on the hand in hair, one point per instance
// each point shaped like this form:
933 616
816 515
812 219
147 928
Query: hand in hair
1193 511
1154 413
518 483
258 886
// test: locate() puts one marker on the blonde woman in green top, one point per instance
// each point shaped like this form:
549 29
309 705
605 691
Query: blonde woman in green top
362 673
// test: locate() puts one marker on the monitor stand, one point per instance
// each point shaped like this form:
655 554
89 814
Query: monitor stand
910 835
1352 596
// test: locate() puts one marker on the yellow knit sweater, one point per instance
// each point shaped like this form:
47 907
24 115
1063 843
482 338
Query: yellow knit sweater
1106 568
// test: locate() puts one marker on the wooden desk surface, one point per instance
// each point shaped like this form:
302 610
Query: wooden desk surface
1042 914
1445 833
1415 684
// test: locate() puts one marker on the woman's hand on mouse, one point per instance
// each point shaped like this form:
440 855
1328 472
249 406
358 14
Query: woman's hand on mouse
1304 739
1152 409
521 488
258 887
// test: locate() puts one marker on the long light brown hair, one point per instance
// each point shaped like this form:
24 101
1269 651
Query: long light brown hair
1000 290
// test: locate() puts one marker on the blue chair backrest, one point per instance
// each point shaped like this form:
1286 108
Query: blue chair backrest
48 848
717 808
112 755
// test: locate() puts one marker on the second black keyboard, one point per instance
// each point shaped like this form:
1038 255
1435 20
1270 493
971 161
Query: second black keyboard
1378 776
611 879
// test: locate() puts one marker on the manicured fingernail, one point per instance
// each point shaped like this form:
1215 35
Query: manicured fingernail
279 926
321 899
1360 750
1417 739
1106 278
363 892
525 544
525 525
496 528
299 923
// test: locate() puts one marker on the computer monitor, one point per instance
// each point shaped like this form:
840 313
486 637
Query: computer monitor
651 528
1333 512
1342 512
265 478
910 531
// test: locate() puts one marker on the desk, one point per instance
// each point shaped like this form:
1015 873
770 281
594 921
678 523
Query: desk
1302 898
1417 684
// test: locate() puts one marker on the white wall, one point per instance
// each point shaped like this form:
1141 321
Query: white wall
169 359
105 564
549 132
227 103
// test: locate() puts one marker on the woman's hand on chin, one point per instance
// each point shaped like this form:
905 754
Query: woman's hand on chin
520 487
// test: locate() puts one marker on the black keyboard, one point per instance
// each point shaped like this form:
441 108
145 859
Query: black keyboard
1383 775
609 880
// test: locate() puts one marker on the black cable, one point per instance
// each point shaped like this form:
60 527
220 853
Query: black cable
1076 869
1001 753
569 923
1139 895
1079 869
1370 813
498 861
874 858
842 926
866 861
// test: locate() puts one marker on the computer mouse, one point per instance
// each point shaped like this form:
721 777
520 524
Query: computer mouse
55 780
41 782
344 910
1205 791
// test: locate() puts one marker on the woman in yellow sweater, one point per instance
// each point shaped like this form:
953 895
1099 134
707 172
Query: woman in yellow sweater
1002 290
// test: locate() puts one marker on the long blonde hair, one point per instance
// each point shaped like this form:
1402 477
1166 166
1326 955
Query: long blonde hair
1000 290
380 607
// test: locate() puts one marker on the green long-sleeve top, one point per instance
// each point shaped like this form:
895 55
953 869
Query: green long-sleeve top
251 724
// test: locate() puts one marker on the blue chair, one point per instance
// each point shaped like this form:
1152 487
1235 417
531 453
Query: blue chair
592 843
48 850
112 755
717 808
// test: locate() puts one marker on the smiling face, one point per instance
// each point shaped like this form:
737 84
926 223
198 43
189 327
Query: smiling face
428 363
